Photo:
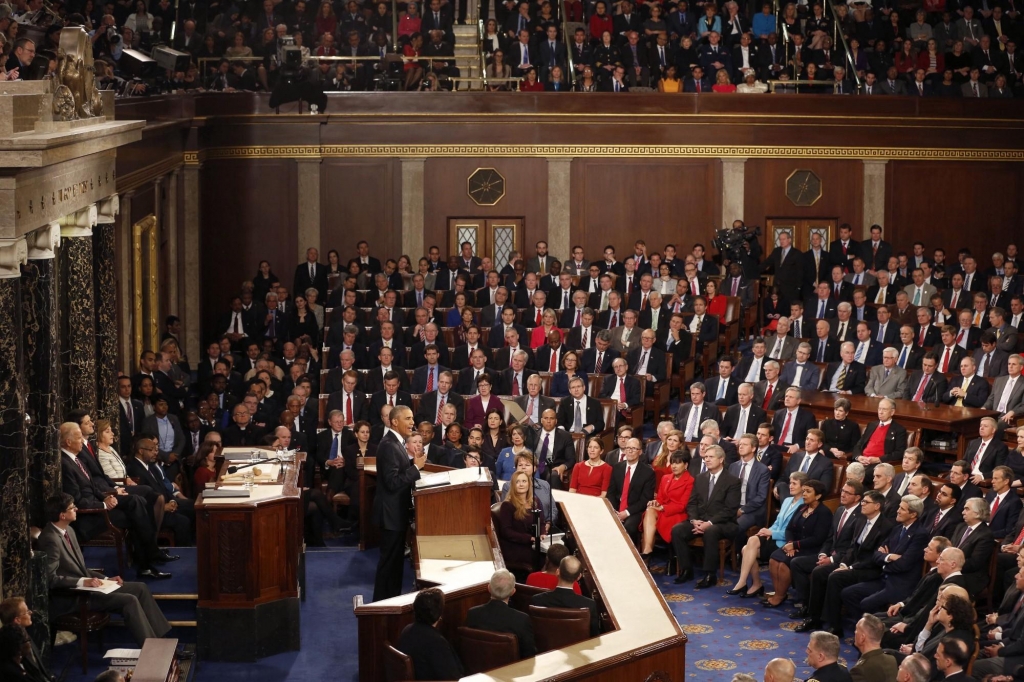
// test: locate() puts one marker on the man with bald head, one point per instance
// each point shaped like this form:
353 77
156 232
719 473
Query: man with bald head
779 670
564 597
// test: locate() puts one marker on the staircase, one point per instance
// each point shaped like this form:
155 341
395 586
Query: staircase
467 54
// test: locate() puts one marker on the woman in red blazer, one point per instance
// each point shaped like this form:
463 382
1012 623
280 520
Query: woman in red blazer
530 83
669 506
716 303
549 323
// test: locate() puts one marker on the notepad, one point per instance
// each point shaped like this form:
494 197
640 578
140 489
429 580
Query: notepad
107 587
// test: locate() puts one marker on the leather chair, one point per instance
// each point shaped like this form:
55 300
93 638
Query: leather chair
557 628
397 666
112 537
524 594
483 650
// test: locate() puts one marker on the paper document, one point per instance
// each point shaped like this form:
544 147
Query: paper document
514 410
553 539
123 653
432 480
107 587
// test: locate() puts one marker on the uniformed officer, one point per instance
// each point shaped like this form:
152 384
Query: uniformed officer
873 664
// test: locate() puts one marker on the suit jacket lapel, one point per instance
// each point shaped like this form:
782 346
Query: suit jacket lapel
76 553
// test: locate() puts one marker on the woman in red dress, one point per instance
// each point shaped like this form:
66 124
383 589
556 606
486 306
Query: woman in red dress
592 476
530 83
716 303
549 323
669 506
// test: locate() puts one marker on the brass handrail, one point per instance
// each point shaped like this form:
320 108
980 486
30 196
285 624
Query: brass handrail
781 83
568 52
840 37
483 57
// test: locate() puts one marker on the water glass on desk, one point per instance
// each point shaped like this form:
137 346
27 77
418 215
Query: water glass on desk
247 479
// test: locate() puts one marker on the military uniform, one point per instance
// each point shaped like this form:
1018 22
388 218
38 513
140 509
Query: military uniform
833 672
873 666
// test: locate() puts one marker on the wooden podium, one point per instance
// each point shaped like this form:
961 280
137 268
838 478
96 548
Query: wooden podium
249 564
455 548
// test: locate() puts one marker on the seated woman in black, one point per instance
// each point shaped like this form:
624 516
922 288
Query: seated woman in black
433 657
805 534
841 434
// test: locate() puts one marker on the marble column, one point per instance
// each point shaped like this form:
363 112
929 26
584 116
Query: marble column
733 178
412 207
171 225
192 226
15 544
78 312
874 195
309 209
105 282
559 180
41 324
124 282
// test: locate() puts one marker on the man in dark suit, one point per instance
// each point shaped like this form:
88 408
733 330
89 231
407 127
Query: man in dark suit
926 384
512 381
579 413
695 412
178 510
1002 514
901 557
743 417
985 453
242 432
599 358
564 597
844 250
821 305
769 453
855 565
889 443
168 433
847 376
966 389
977 541
124 511
349 400
396 474
631 487
311 274
67 570
785 262
466 386
130 412
810 573
792 423
713 509
497 616
390 395
622 387
875 251
812 461
722 388
432 402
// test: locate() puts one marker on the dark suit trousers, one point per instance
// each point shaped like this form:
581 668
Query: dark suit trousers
1005 570
388 582
812 582
338 482
131 514
831 613
868 597
135 603
683 533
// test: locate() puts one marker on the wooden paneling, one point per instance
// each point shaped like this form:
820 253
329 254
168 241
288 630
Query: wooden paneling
764 195
360 199
445 196
954 205
662 201
249 214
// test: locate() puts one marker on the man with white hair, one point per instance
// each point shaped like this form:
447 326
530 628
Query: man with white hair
974 538
497 616
914 668
823 656
887 379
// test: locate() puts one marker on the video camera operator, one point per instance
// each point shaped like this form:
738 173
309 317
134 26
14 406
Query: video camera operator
740 244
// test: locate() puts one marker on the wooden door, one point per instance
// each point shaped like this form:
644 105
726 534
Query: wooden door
801 229
495 238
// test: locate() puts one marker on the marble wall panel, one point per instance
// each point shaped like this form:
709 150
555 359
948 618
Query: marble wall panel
105 281
78 325
14 540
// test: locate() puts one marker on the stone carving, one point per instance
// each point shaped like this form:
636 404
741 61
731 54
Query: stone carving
64 104
76 74
13 254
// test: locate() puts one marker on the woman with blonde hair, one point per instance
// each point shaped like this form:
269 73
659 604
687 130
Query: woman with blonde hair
517 525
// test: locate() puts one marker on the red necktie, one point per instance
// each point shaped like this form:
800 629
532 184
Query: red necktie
540 320
921 341
920 388
960 336
67 541
952 304
735 285
643 302
348 410
622 390
578 323
978 456
945 361
785 426
995 507
440 407
430 380
698 86
767 398
1020 538
515 385
624 500
553 367
842 520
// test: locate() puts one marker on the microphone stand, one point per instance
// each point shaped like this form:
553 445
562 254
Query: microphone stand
235 468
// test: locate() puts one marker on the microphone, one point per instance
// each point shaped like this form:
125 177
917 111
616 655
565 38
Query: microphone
235 468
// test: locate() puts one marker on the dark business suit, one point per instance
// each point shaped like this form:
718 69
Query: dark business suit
594 414
977 391
914 612
303 281
820 468
566 598
641 491
898 577
497 616
855 381
809 579
1002 522
859 557
895 442
714 387
708 410
934 388
126 429
803 421
995 454
789 273
66 565
719 507
179 522
433 657
977 549
395 478
755 417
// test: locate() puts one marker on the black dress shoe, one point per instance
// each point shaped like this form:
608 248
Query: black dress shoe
165 558
769 605
707 581
685 576
751 595
838 632
183 655
807 625
154 574
798 614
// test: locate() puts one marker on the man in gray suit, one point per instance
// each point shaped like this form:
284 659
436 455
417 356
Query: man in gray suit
919 291
892 85
626 337
887 379
542 261
1007 396
781 346
577 265
974 87
802 373
754 480
67 570
534 403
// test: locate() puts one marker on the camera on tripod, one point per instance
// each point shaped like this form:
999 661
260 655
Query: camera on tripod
732 242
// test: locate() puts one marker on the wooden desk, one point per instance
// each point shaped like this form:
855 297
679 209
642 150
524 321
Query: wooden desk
962 422
249 564
646 635
367 466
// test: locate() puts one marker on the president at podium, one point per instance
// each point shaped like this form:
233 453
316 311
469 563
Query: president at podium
396 474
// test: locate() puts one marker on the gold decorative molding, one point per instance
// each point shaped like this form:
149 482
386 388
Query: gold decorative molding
191 158
145 281
613 151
